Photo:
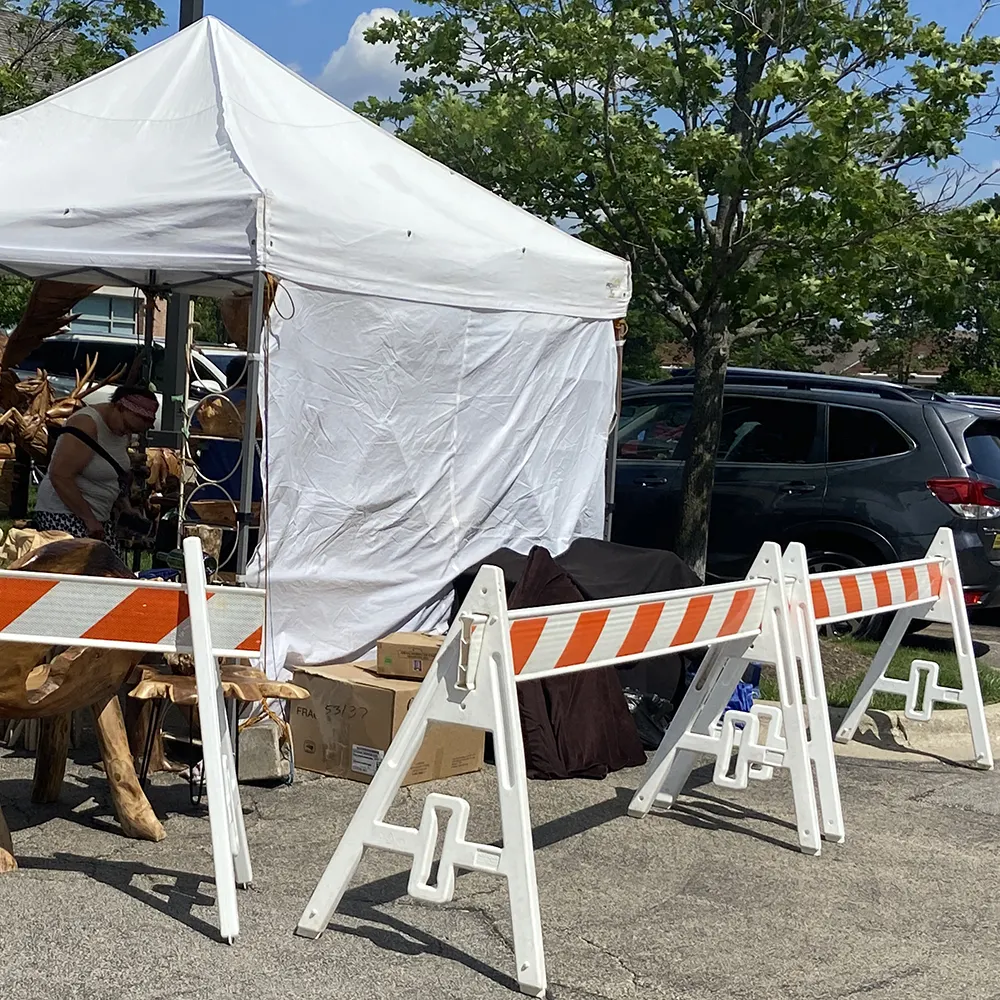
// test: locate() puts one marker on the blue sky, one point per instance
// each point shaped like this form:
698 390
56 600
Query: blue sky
322 40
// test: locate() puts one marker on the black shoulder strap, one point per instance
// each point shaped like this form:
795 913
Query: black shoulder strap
92 444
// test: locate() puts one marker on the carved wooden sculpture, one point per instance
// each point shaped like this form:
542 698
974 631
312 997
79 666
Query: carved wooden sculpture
35 684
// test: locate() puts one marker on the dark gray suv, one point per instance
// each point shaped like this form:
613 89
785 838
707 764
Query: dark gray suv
861 472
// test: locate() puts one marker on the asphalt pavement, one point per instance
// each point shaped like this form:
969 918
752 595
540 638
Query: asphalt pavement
711 900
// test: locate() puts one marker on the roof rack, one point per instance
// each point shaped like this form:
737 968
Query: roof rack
812 380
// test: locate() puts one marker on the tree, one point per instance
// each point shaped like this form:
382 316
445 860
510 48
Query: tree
46 45
740 155
208 325
972 337
14 294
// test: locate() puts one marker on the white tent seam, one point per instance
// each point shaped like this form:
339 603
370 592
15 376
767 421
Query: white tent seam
223 135
109 118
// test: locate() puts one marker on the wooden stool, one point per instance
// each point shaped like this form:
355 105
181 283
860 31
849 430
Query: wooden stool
240 683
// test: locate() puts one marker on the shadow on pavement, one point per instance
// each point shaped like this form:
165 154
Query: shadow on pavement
171 798
697 809
390 934
397 935
174 897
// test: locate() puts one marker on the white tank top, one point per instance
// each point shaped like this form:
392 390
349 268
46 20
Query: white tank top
98 481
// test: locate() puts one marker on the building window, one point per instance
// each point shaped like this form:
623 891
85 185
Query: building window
106 314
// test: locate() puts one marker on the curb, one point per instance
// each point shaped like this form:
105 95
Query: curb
893 730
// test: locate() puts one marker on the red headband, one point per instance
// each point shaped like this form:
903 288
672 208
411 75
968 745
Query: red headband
142 405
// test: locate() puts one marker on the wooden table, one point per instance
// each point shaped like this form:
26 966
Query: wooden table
240 683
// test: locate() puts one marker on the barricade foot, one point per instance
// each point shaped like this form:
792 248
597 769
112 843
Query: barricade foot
532 989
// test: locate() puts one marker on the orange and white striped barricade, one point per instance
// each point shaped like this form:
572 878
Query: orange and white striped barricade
929 589
472 682
193 618
700 728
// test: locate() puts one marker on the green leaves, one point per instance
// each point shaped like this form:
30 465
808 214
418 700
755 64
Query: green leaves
54 43
703 142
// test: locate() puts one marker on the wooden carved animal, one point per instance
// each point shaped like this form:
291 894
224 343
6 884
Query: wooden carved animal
36 682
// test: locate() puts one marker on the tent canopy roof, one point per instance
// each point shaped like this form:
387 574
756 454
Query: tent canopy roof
203 156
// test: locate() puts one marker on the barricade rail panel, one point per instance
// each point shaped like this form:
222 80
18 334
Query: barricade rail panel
856 593
125 614
593 634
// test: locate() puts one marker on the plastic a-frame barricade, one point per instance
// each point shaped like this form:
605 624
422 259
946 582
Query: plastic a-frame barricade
928 589
472 682
206 622
699 727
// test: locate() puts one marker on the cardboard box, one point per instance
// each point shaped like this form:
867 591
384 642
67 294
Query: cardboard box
408 655
347 725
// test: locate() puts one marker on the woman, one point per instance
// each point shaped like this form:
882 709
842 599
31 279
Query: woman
87 474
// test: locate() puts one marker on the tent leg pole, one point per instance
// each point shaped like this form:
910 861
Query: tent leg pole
611 464
244 516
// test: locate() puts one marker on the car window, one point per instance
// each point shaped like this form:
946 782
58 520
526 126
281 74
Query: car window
110 357
767 431
117 357
54 357
221 361
983 441
856 435
651 429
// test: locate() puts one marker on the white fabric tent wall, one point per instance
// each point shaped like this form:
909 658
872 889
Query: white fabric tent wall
405 443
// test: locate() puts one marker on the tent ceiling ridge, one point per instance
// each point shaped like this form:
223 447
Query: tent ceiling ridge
223 134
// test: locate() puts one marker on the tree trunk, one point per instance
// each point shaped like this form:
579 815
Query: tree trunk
711 358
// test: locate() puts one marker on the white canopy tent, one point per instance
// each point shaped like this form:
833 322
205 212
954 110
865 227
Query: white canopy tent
441 364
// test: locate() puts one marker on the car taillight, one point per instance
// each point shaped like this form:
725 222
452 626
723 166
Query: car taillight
967 497
974 597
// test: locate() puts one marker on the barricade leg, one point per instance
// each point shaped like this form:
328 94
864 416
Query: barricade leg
670 767
880 663
806 643
952 603
470 683
796 757
229 844
381 793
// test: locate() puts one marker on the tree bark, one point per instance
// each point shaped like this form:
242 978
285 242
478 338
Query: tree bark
131 806
50 762
711 358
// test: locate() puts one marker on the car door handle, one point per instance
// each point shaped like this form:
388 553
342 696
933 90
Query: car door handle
798 487
652 482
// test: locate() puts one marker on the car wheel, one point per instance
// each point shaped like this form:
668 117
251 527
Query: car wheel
872 627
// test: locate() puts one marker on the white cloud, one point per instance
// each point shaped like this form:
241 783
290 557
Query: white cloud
358 70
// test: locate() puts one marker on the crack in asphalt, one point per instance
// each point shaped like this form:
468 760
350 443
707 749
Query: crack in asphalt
631 973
